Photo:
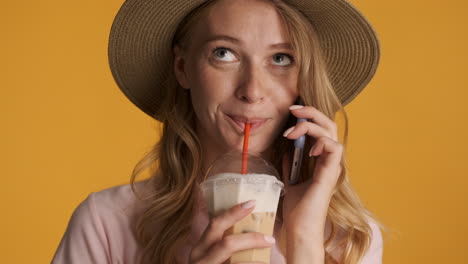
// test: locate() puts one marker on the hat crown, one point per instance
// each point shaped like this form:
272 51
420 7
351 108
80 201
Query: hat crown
141 36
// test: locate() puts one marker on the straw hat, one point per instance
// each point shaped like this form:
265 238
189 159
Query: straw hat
141 37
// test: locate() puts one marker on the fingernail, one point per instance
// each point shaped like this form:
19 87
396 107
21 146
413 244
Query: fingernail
248 204
269 239
286 133
310 152
294 107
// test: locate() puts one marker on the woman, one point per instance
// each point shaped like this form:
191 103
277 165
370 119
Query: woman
234 62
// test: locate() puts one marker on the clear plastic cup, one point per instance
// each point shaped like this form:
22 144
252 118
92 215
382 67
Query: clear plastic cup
225 187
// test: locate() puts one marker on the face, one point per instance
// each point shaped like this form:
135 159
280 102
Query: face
239 67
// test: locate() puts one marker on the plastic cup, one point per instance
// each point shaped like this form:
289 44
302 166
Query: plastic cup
223 190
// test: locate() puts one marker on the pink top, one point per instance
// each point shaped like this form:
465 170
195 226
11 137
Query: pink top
102 230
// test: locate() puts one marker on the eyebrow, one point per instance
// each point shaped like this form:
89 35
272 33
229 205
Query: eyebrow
283 45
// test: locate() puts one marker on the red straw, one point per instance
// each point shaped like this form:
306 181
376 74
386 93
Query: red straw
246 147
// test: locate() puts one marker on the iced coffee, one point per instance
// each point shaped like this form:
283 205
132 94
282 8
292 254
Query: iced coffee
226 189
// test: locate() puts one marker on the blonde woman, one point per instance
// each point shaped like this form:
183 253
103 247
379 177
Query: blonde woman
204 69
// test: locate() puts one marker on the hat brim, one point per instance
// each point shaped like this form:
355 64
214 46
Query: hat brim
141 37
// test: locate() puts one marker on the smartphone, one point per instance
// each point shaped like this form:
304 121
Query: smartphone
298 152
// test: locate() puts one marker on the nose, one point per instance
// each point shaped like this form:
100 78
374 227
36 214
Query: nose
252 88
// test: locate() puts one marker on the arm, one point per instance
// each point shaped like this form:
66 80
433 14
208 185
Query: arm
304 250
304 244
372 256
84 240
305 204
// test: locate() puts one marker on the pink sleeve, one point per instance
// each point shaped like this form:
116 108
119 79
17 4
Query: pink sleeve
375 251
84 240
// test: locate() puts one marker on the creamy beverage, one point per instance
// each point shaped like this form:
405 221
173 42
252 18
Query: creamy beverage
258 222
224 190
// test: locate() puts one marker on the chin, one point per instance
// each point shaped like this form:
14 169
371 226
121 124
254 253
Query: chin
254 147
258 142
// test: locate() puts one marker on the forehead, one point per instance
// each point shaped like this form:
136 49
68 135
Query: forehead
246 20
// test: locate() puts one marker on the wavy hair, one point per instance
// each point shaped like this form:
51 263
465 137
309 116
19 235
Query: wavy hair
175 160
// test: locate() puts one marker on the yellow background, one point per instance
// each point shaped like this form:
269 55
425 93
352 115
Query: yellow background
67 130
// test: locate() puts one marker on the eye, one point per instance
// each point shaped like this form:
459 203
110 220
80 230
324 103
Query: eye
224 54
283 59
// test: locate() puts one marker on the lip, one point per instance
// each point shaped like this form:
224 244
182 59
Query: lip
239 121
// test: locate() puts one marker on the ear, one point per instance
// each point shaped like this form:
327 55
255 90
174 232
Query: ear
179 67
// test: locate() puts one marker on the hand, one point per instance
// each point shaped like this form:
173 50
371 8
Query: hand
305 205
213 248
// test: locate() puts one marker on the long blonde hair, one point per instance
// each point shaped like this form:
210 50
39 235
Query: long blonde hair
175 161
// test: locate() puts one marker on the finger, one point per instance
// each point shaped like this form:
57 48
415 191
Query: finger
328 166
219 224
316 149
310 129
223 249
315 115
325 145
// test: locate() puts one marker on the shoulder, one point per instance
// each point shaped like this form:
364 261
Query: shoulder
101 224
116 209
115 200
105 205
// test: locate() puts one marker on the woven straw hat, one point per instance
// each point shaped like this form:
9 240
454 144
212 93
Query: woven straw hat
141 37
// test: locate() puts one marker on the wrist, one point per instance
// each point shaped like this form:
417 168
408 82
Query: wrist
306 239
305 249
310 233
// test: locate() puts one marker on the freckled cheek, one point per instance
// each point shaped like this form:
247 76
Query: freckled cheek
209 90
288 92
285 95
215 85
289 79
